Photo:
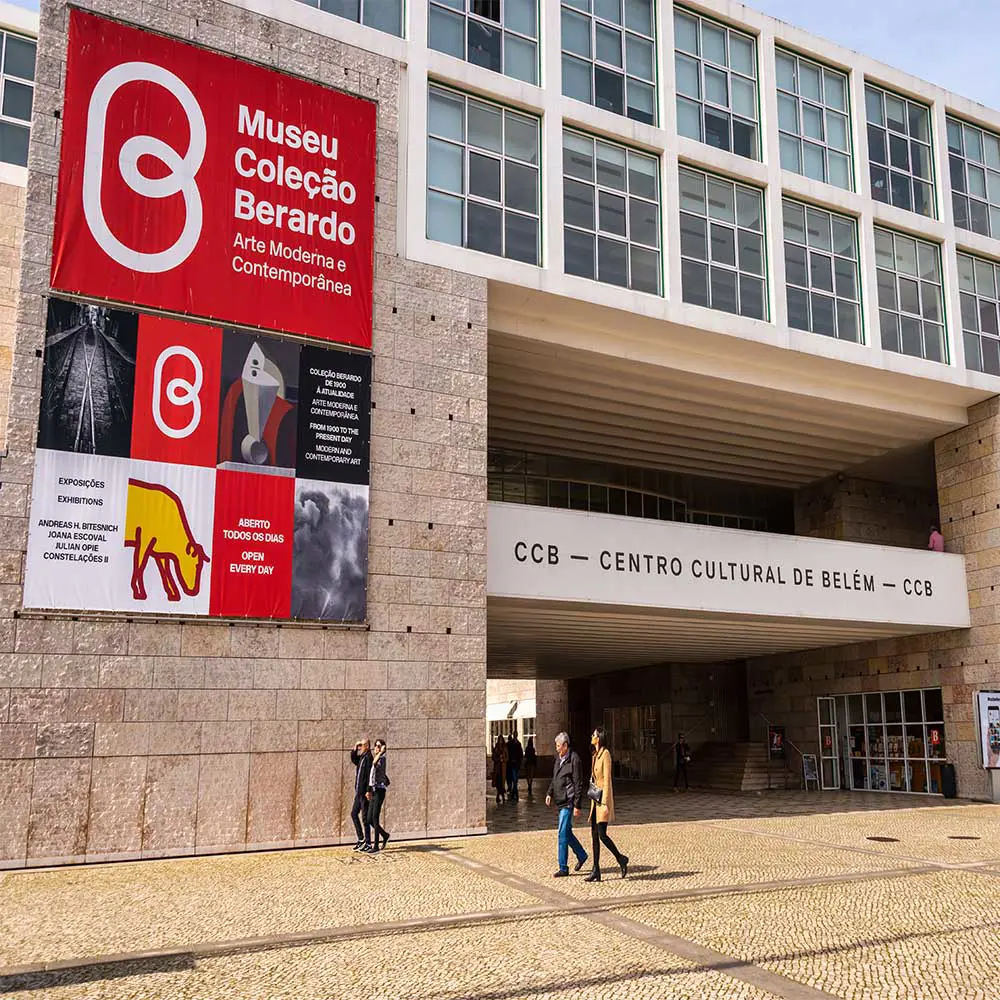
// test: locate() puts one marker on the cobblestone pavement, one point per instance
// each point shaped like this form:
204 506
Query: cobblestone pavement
758 898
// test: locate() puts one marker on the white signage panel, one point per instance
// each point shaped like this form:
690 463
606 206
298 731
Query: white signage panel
988 704
562 555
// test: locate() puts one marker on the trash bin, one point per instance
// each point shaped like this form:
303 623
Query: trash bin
949 787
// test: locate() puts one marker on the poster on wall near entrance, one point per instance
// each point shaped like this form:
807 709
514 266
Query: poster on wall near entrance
195 470
203 185
776 741
988 705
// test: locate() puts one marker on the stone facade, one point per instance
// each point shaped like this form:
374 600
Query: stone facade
11 235
123 739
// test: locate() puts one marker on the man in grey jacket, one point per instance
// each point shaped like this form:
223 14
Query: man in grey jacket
567 789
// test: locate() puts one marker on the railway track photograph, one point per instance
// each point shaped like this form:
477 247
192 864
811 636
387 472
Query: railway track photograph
88 379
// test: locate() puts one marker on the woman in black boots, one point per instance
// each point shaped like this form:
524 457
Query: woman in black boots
602 812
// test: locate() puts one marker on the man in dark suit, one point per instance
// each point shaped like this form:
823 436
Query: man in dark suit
515 754
567 789
361 758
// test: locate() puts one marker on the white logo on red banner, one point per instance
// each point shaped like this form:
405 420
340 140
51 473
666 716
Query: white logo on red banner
180 392
180 180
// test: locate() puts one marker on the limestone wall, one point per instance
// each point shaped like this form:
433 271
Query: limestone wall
126 739
11 235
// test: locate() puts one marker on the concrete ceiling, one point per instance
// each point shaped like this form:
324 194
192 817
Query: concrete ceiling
550 639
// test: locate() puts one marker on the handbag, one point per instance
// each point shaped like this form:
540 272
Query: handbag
595 792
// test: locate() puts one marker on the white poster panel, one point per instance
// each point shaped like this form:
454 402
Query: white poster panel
989 727
114 534
563 555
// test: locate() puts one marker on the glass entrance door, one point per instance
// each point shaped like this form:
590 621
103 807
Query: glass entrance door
829 762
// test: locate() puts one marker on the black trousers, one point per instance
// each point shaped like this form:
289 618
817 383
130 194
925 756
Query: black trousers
598 836
682 768
373 818
359 808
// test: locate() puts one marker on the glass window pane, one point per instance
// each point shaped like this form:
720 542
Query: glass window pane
444 218
919 121
521 237
887 290
741 54
794 218
576 33
885 255
611 166
724 290
812 122
688 76
644 222
578 204
19 58
688 119
694 236
642 175
694 282
970 312
609 45
721 200
717 129
577 79
873 106
911 339
909 296
484 228
17 100
899 190
611 213
612 261
836 130
521 187
845 275
744 97
639 16
610 10
713 41
723 244
955 136
960 208
522 16
987 314
973 143
906 255
823 315
751 252
716 87
839 170
821 271
444 166
446 32
966 273
810 82
977 181
818 226
609 90
485 126
929 262
521 139
692 187
878 149
751 297
786 72
798 309
991 147
788 114
744 139
835 90
889 328
639 57
520 59
645 270
641 104
578 156
847 321
685 33
796 272
485 42
484 176
578 251
446 115
844 240
813 161
791 153
985 281
920 160
748 208
895 113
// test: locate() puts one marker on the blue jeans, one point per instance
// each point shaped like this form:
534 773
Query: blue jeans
567 839
513 776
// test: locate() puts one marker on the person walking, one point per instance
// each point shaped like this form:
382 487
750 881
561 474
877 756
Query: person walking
566 791
361 758
378 782
530 763
499 768
935 541
515 755
602 809
682 756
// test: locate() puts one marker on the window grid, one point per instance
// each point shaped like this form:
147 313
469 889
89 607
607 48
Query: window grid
821 271
611 213
500 35
609 57
974 165
385 15
911 304
722 244
482 176
716 71
899 151
17 98
979 289
814 120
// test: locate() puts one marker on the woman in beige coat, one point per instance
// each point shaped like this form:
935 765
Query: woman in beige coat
603 813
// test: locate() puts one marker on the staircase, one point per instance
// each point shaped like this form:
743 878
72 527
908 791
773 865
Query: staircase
737 767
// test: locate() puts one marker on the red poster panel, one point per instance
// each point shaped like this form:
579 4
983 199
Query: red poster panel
252 568
204 185
175 412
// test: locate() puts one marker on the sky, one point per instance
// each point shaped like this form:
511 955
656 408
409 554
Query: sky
949 42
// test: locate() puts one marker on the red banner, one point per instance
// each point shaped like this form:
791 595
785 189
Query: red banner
200 184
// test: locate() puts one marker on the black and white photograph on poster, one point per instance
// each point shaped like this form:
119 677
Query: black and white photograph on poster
989 727
88 378
257 420
335 389
330 555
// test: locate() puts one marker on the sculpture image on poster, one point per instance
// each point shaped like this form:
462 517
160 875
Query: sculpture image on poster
167 476
988 703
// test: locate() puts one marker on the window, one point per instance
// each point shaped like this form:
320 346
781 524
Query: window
611 211
716 70
609 56
18 96
386 15
501 35
979 285
814 120
722 244
899 151
974 162
821 271
482 176
910 304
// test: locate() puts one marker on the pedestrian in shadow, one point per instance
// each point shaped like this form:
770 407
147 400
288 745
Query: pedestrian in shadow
566 791
515 754
499 775
602 805
530 763
378 782
682 757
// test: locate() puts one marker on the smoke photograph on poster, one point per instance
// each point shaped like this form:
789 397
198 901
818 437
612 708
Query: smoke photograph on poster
193 470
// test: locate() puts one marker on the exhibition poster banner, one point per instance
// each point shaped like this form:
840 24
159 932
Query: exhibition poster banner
194 470
200 184
989 727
